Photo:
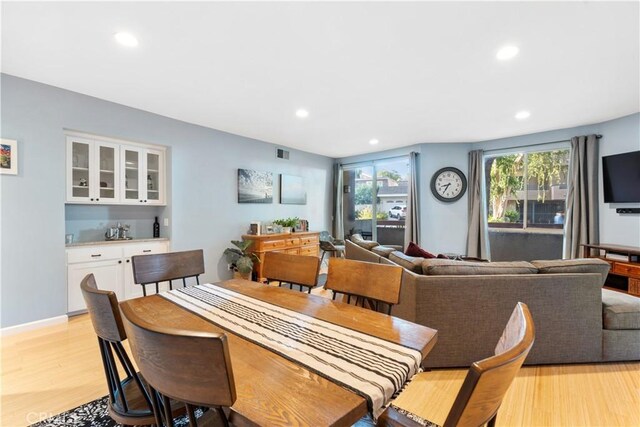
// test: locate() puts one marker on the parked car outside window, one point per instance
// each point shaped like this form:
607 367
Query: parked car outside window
398 212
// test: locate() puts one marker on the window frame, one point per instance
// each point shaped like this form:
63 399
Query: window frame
526 150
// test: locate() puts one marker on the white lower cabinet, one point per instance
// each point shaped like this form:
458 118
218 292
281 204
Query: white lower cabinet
111 266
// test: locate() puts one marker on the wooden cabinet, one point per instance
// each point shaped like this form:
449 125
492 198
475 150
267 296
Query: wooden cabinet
624 261
302 243
105 171
111 265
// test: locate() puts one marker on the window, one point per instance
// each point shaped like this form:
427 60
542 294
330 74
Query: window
378 188
527 190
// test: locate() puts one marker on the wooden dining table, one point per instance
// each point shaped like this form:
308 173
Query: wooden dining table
272 390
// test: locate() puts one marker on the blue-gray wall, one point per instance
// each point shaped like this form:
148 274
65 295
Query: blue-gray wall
444 225
203 209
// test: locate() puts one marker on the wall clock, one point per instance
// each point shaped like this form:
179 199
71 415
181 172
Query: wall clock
448 184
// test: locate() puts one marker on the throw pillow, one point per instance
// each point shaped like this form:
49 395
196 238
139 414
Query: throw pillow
417 251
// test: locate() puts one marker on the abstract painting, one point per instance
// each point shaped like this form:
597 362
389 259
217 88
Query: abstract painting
8 156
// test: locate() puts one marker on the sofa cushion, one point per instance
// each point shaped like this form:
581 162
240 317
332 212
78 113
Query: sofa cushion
383 251
360 241
578 265
449 267
620 310
411 263
415 250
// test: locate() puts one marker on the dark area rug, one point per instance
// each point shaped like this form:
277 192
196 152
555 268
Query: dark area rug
96 414
92 414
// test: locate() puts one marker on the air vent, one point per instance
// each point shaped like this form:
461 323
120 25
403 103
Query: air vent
282 154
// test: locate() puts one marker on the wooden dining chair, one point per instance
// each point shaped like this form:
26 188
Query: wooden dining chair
486 383
290 269
188 366
130 402
370 283
156 268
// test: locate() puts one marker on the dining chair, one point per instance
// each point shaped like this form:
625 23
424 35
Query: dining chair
187 366
291 269
156 268
130 402
370 283
486 383
330 245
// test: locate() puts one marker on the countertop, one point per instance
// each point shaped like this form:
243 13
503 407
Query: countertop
116 242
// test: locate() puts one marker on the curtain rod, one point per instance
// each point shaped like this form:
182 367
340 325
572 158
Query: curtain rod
598 136
376 160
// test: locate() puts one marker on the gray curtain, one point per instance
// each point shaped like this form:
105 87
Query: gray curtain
478 234
581 219
412 222
338 220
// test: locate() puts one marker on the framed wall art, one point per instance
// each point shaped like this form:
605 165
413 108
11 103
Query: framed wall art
255 186
292 190
8 156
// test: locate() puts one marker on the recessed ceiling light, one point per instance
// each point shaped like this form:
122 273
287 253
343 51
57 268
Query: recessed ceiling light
126 39
373 141
507 52
521 115
302 113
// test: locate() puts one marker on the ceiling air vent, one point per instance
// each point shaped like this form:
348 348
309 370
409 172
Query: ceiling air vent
282 154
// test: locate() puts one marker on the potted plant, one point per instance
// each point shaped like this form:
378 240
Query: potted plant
241 259
287 223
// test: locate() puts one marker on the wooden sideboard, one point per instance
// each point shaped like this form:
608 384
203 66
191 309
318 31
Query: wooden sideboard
624 261
301 243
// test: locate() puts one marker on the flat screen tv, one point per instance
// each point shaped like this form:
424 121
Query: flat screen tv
621 178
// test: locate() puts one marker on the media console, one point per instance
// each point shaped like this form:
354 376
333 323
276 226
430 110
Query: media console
624 260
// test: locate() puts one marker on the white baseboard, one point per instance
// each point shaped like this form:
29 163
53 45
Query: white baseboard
30 326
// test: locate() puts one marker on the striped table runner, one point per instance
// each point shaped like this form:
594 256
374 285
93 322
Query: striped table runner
374 368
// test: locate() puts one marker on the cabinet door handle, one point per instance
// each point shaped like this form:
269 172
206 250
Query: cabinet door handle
96 255
146 250
128 260
120 262
140 201
97 200
92 200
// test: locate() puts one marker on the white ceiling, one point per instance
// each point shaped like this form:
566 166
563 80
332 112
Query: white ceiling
403 73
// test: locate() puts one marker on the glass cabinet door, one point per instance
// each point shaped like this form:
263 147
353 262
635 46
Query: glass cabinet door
131 167
153 177
80 170
107 174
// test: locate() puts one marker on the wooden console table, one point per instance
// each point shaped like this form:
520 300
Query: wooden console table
626 262
301 243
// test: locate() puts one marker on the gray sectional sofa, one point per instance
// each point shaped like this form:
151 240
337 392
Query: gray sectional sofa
469 304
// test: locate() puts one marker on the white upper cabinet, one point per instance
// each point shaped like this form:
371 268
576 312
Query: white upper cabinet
92 171
109 172
142 176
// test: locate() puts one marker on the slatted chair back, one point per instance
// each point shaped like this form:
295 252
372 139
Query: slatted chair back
370 283
291 269
188 366
129 401
488 380
156 268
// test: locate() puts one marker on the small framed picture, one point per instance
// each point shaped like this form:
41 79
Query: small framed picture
8 156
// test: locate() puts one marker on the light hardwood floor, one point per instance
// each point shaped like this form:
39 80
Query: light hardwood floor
57 368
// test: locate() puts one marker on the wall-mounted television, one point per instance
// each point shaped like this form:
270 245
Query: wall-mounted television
621 178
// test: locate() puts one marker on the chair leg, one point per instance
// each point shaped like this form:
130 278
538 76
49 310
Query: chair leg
158 287
144 289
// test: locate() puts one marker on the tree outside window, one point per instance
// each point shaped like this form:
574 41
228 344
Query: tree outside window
527 189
